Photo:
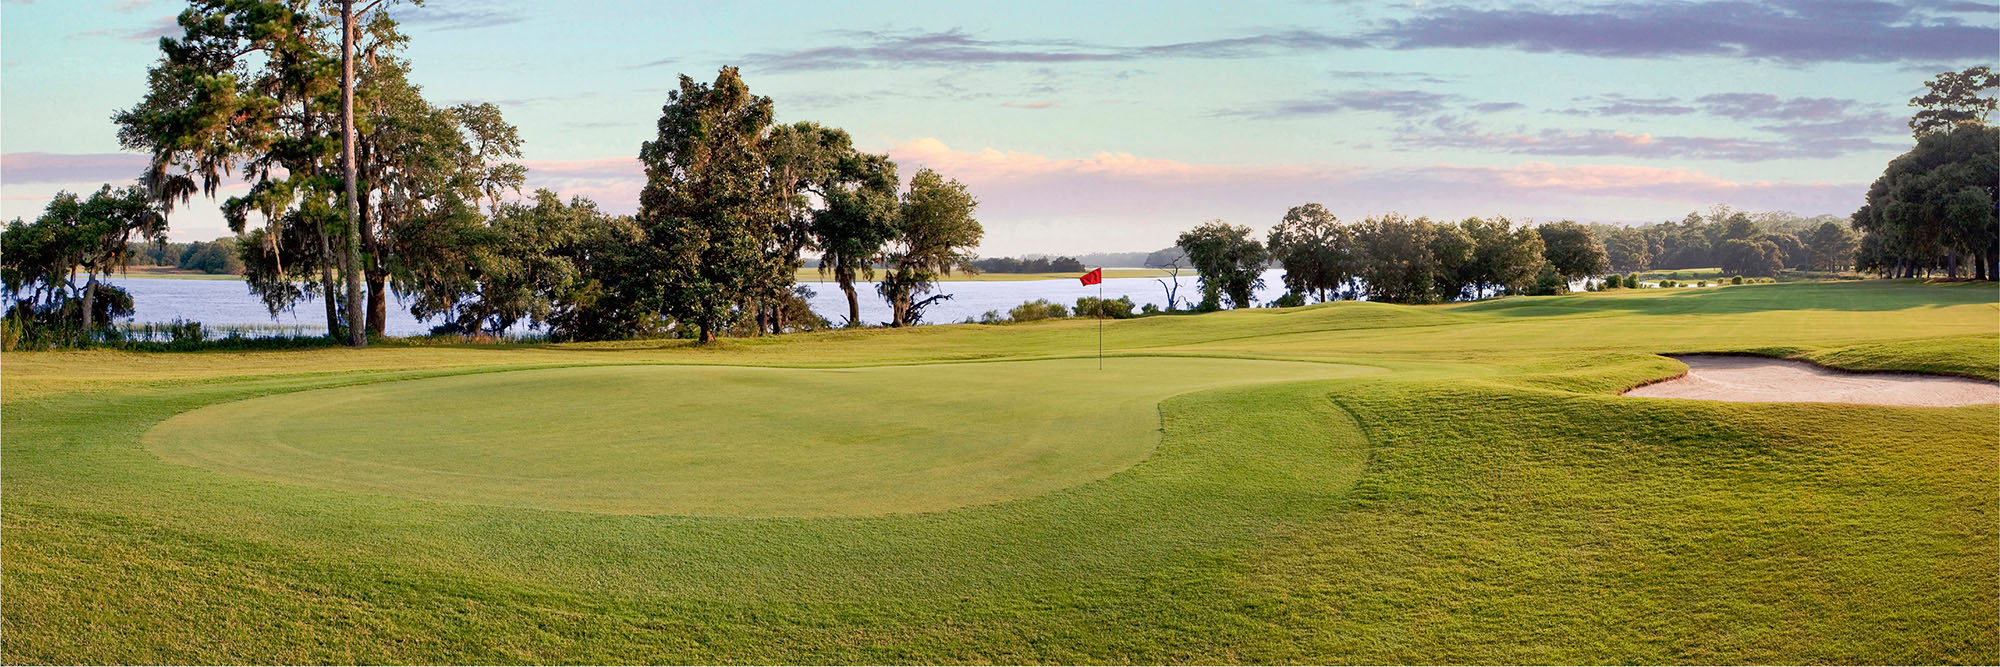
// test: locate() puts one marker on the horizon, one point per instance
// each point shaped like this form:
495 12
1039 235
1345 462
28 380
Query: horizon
1099 134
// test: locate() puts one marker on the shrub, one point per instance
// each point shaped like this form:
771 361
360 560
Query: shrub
1703 283
1614 281
1149 309
1039 309
1632 281
1117 309
1289 300
1736 280
1668 283
991 317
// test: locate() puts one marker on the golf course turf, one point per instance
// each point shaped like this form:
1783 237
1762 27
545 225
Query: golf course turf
1346 483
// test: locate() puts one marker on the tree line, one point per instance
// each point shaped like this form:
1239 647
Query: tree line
1738 242
217 257
1028 265
1391 258
422 200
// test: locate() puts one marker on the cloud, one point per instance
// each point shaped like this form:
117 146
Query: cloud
613 183
70 168
1615 104
1376 75
869 49
1768 106
129 6
164 27
1795 140
1793 31
1031 105
439 18
1400 102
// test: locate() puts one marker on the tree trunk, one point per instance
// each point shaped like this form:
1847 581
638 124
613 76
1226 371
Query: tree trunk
853 302
329 286
378 304
355 336
89 304
378 276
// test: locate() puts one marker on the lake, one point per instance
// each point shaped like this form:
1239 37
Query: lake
224 304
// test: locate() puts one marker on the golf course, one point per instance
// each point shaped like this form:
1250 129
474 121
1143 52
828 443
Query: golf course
1350 482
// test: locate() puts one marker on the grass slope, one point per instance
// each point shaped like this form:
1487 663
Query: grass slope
1482 496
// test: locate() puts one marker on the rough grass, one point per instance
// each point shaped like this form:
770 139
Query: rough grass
1483 497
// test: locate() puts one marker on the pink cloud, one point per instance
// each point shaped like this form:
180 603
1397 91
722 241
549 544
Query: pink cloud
18 168
992 164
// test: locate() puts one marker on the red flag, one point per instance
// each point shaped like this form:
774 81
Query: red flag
1094 277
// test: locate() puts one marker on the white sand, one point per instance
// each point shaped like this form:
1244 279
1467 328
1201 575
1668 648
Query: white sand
1763 380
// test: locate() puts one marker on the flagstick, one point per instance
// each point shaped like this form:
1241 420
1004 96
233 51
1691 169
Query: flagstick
1100 326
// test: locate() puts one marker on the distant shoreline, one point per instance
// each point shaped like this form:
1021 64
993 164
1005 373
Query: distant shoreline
804 275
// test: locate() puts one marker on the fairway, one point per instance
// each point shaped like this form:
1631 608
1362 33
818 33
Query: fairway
715 441
1344 483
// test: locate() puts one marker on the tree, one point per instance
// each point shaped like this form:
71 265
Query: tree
90 235
1791 252
1954 100
1504 257
1746 257
1315 251
1935 204
708 208
1572 249
858 213
934 231
249 87
1399 265
492 141
1453 271
1627 249
1228 260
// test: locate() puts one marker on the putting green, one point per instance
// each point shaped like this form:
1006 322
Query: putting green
715 441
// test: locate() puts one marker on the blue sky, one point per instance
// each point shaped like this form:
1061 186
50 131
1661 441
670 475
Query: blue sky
1113 126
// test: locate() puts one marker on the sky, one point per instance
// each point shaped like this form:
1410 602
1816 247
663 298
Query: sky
1089 127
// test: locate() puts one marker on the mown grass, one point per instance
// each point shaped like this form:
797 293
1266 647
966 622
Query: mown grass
1481 496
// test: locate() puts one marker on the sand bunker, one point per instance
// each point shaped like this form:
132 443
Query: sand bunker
1764 380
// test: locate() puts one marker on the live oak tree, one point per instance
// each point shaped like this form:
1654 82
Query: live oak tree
1229 261
934 233
709 209
1935 205
858 211
39 260
1399 265
1315 250
1504 256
